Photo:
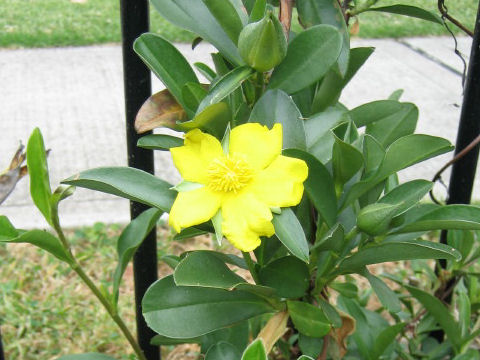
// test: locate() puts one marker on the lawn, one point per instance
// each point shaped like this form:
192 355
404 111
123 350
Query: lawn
40 23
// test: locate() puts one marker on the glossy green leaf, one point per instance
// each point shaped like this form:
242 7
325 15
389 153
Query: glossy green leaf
319 186
373 154
227 16
329 90
225 86
374 112
187 311
166 62
408 10
397 125
331 313
346 161
201 268
129 183
7 230
385 338
236 335
158 340
206 71
193 94
319 135
275 106
289 231
308 319
258 10
38 172
223 351
255 351
87 356
310 55
333 240
404 152
457 217
396 251
407 194
315 12
440 312
387 297
213 119
288 275
346 289
375 219
159 142
39 238
195 17
129 241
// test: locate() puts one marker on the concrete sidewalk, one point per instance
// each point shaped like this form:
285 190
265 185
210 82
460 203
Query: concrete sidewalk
75 96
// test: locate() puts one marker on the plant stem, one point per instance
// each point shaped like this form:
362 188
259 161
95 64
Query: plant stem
103 300
251 267
351 234
285 16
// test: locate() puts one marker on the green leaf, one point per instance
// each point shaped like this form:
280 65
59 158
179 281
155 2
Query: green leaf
227 84
288 275
386 296
201 268
397 125
7 230
436 308
464 312
330 88
407 194
310 346
87 356
315 12
308 319
205 70
158 340
408 10
395 251
374 112
396 95
213 119
236 335
331 313
289 231
305 357
227 16
195 17
60 193
375 219
346 289
333 240
404 152
275 106
346 161
309 56
129 241
166 62
129 183
159 142
456 217
222 351
385 338
255 351
39 238
258 11
193 94
38 172
319 186
187 311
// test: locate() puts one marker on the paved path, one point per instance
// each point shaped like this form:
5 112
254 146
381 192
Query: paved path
75 95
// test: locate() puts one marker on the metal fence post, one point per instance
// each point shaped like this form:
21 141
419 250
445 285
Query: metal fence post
137 83
2 356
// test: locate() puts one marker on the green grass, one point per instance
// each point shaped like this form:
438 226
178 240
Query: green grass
40 23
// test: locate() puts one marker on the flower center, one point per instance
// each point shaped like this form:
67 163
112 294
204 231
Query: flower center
227 174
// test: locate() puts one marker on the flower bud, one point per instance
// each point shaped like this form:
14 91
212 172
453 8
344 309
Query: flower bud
374 219
262 44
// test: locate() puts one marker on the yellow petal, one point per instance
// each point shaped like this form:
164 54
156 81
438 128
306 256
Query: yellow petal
245 219
193 158
281 183
257 143
193 207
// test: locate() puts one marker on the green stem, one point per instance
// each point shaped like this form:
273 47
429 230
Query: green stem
351 234
251 266
103 300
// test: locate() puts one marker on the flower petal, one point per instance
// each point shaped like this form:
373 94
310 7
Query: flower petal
259 144
245 219
193 207
281 184
193 158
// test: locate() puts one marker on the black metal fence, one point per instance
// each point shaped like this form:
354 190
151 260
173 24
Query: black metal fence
137 83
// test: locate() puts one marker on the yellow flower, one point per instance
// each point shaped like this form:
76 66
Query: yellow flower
244 184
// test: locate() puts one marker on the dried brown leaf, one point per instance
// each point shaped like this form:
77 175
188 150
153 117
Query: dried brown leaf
160 110
340 335
273 330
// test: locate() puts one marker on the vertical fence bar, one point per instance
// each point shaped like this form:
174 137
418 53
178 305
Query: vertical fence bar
463 171
137 84
2 356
